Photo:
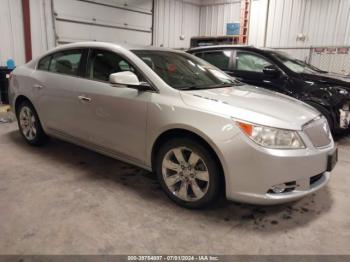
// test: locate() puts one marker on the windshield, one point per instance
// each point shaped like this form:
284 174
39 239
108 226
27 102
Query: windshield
296 65
184 71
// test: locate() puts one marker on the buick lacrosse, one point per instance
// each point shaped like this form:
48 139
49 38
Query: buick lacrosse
202 132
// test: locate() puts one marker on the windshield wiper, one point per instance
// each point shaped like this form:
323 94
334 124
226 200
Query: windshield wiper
187 87
220 85
195 87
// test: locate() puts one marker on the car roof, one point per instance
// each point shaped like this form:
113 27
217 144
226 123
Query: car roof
95 44
221 47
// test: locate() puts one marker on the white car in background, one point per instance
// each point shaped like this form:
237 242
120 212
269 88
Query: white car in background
167 111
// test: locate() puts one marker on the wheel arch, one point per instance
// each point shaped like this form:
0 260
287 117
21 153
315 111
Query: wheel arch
183 132
19 99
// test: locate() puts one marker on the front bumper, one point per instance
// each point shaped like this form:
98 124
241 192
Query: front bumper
251 170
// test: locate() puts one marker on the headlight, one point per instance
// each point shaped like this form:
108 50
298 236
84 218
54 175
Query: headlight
272 137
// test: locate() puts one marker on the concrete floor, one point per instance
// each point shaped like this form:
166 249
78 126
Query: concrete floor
62 199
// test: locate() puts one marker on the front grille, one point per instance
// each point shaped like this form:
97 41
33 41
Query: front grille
314 179
318 132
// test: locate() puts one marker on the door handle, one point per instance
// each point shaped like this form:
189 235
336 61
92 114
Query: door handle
37 86
84 99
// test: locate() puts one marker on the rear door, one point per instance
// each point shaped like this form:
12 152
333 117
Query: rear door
57 78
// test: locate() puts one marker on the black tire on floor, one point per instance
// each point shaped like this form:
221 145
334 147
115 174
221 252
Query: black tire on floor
40 137
211 163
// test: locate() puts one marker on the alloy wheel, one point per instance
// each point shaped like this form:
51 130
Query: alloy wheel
185 174
28 123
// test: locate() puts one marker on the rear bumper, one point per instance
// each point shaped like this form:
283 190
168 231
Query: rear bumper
251 171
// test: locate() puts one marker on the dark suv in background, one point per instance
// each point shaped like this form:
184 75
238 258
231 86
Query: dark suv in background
277 71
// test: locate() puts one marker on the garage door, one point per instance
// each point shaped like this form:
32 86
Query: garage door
103 20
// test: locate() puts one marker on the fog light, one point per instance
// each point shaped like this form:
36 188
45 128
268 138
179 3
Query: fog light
277 189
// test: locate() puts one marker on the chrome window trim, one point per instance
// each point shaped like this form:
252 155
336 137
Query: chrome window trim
153 86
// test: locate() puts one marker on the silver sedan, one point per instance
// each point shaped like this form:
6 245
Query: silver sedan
202 132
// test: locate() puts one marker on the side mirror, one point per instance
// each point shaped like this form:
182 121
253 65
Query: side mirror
125 78
271 70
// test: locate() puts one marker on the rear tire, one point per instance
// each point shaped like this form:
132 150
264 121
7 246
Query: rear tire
29 124
188 173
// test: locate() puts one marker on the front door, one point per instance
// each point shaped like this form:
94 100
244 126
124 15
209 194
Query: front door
112 118
249 68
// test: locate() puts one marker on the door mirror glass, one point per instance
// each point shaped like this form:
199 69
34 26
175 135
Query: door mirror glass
271 70
125 78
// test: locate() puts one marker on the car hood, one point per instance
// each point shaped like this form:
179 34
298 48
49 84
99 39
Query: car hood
329 78
252 104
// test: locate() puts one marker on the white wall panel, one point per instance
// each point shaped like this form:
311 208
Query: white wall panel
78 20
215 14
136 5
174 18
257 22
11 30
68 34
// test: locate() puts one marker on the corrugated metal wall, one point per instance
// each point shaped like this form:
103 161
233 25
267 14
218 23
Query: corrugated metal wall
215 14
258 12
41 26
11 30
322 22
295 26
132 13
173 19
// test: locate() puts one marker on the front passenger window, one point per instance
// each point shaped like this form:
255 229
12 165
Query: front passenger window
246 61
103 63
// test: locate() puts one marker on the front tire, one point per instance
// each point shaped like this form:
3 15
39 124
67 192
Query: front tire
188 173
29 124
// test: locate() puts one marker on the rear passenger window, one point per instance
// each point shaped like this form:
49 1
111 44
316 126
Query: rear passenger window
44 63
66 62
220 59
